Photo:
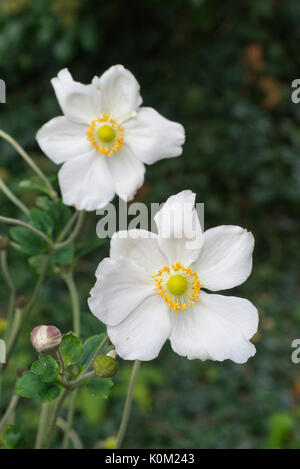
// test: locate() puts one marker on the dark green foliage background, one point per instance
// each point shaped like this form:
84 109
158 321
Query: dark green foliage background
241 157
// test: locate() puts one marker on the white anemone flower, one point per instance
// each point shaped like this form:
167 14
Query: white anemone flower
105 137
152 288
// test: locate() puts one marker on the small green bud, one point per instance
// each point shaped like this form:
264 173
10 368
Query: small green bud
105 366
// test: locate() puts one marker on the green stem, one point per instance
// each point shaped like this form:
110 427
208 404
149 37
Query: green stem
55 416
69 419
14 221
10 284
28 160
10 409
128 403
99 350
17 322
42 425
82 378
74 233
73 435
69 279
13 198
68 226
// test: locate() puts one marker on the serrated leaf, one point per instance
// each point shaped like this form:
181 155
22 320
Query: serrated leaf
71 349
99 386
59 213
41 220
30 385
29 242
46 368
35 184
49 393
90 347
63 256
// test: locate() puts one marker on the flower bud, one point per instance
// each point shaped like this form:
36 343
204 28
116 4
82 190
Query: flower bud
105 366
45 339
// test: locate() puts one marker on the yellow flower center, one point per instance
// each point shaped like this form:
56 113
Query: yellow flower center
177 286
106 135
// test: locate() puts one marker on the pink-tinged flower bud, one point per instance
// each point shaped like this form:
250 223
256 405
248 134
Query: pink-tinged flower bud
45 339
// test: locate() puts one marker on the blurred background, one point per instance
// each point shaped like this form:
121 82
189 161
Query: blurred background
224 70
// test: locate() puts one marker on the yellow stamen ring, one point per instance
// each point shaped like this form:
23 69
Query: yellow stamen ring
106 135
177 286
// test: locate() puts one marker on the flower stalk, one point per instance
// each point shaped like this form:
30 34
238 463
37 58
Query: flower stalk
128 404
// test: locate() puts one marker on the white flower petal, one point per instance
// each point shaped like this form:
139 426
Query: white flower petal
152 137
120 92
86 182
179 229
141 247
218 328
127 173
225 259
120 287
80 103
142 334
61 139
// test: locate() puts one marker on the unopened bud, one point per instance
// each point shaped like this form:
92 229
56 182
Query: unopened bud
45 339
105 366
4 243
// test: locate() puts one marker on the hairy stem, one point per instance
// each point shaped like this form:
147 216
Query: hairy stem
69 419
10 284
14 221
128 403
42 425
74 233
69 279
55 416
28 160
10 409
13 198
17 321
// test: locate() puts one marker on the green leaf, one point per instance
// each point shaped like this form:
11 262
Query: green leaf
13 437
46 368
41 220
37 263
90 347
59 213
99 386
30 243
35 184
50 393
90 247
30 385
71 349
63 256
